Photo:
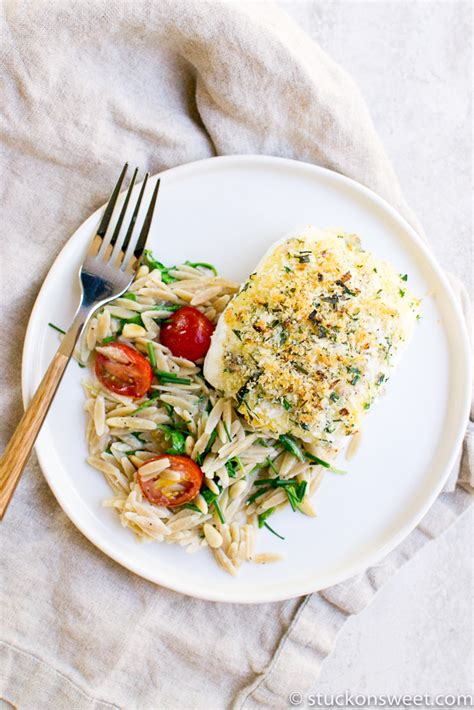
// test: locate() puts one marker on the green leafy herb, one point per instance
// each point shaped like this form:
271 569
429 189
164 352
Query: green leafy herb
231 468
286 404
380 379
81 364
402 292
237 333
203 265
151 354
334 396
135 320
55 327
290 445
295 491
404 277
150 261
130 296
176 438
110 339
168 408
288 270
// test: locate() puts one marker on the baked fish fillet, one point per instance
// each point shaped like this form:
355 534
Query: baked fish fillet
309 341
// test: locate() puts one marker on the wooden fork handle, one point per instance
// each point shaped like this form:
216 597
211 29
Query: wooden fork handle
19 447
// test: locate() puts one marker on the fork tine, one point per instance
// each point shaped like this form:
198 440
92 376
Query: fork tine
115 241
104 222
141 242
131 226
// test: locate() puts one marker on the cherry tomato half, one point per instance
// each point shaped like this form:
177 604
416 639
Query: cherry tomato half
188 333
129 373
169 493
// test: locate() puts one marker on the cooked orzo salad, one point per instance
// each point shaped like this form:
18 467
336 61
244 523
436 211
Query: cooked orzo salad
183 465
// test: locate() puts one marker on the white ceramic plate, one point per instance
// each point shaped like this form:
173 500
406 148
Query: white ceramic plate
228 211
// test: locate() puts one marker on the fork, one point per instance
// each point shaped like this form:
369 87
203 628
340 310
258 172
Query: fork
108 270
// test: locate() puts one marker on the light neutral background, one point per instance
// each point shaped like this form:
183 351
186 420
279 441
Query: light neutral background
413 62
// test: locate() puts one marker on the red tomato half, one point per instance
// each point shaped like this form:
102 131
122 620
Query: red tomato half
129 374
161 491
188 333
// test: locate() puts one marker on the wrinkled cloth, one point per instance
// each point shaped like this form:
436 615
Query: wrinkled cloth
86 86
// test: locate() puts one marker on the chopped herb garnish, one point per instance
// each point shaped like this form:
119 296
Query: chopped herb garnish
258 493
55 327
171 377
147 403
176 438
334 396
110 339
355 375
81 364
130 296
135 320
209 496
200 458
191 506
402 292
286 404
169 307
151 354
380 379
219 512
274 532
231 468
150 261
264 516
316 460
333 300
320 462
203 265
288 270
345 288
237 333
290 445
404 277
227 432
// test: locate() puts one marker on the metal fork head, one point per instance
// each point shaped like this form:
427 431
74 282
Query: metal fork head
114 256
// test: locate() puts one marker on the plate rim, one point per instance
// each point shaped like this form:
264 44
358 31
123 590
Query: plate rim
365 559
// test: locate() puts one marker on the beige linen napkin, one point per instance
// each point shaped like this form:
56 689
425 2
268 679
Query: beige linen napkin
87 85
